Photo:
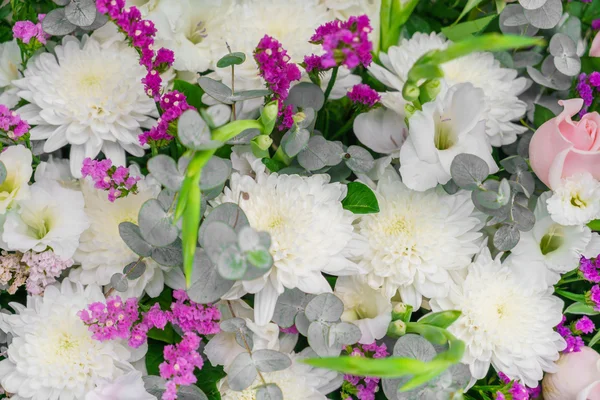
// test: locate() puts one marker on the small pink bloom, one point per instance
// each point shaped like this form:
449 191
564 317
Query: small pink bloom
25 30
595 48
578 377
562 147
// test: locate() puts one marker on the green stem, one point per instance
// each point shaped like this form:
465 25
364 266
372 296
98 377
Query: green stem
347 126
565 281
331 82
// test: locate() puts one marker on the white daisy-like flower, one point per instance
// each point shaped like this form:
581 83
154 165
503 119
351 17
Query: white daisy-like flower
445 128
17 161
89 96
310 233
505 322
52 354
127 387
299 382
500 85
10 60
52 216
551 249
367 308
417 240
102 253
576 201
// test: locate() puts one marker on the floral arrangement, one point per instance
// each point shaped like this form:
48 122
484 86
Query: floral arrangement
299 199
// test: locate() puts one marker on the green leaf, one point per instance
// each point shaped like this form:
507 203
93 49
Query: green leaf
541 115
432 333
467 29
360 199
230 59
154 357
273 165
571 296
166 335
442 319
594 340
393 15
595 225
391 367
208 377
193 93
471 4
581 309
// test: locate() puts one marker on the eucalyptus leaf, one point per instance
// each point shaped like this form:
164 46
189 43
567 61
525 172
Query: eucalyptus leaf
546 16
487 200
56 23
325 307
269 391
294 141
81 12
3 173
242 372
550 76
119 282
165 171
231 263
61 2
233 325
359 160
306 95
532 4
229 213
320 153
230 59
215 173
193 132
156 226
270 360
526 180
506 237
215 89
513 21
524 59
564 50
319 341
344 334
289 304
131 235
302 323
218 236
468 171
245 137
414 346
207 285
170 255
261 259
523 218
514 164
99 22
250 94
134 270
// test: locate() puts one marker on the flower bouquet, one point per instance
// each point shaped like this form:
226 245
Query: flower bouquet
299 199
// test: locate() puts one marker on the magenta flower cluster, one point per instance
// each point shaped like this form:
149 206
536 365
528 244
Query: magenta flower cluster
117 180
27 30
43 270
586 86
364 388
514 390
180 362
363 96
173 105
593 297
277 71
589 269
111 320
12 124
344 43
571 335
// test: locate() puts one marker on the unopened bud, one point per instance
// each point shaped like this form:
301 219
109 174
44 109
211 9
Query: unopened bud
396 329
430 90
268 117
410 92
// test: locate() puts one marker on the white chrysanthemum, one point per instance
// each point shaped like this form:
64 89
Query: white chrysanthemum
126 387
10 60
52 216
500 85
310 232
89 96
445 128
102 253
551 249
52 354
505 322
17 161
367 308
576 201
299 382
417 240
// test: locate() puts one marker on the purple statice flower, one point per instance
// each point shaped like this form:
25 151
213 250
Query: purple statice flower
362 95
12 124
174 104
594 297
518 391
278 72
117 180
594 79
180 362
43 269
194 317
312 63
503 378
584 325
596 24
589 269
111 320
345 43
499 396
585 91
574 343
365 387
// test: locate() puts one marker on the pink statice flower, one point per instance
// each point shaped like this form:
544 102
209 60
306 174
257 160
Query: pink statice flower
363 96
174 104
180 362
12 124
117 180
586 92
278 72
584 325
593 297
364 388
574 342
589 269
27 30
111 320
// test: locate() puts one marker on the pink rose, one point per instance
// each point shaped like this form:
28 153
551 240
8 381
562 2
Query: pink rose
578 377
562 147
595 48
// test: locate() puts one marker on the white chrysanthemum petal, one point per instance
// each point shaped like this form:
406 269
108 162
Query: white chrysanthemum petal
52 354
102 253
127 387
88 95
500 85
310 233
505 322
10 60
417 239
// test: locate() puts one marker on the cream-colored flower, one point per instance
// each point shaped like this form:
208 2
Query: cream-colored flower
17 161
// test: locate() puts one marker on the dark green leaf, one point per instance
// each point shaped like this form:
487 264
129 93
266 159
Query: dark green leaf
442 319
360 199
467 29
541 115
193 93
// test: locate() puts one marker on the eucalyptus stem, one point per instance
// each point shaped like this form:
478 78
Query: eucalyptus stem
112 289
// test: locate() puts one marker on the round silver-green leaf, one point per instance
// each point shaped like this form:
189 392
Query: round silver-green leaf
242 372
270 360
56 23
325 307
134 270
119 282
81 12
